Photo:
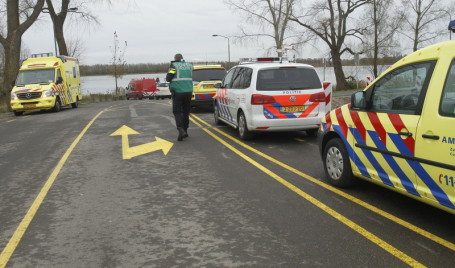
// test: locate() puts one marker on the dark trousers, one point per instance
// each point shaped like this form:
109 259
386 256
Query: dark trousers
181 106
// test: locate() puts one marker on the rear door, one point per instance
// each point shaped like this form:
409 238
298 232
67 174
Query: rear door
435 140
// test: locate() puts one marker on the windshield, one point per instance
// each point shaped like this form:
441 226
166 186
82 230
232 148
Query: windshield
36 77
208 74
288 78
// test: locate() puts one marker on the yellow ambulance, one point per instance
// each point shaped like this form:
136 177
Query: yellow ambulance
205 77
46 82
400 131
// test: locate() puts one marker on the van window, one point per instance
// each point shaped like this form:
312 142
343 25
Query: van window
208 74
229 78
242 79
402 90
447 107
288 78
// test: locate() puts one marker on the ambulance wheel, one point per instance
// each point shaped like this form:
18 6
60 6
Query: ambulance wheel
245 134
337 166
57 106
18 113
75 104
216 115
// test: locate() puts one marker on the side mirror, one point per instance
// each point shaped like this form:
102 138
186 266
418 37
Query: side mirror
13 83
59 80
358 100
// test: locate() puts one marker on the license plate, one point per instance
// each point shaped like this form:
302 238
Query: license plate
29 105
209 86
292 109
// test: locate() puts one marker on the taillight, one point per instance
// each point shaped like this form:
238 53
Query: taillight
257 99
318 97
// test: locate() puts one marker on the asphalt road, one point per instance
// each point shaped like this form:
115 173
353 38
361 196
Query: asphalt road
109 185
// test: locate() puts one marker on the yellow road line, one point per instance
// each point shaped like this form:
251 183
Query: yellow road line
359 202
370 236
20 230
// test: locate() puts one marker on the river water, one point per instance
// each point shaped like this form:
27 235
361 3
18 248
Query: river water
106 83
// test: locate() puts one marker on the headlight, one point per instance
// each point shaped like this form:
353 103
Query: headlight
14 96
47 93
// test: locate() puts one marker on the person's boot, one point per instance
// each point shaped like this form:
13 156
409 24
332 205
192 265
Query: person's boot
186 133
181 133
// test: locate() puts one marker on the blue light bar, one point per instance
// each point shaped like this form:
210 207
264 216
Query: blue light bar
452 26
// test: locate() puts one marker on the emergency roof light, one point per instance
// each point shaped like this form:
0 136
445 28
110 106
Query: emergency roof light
452 26
42 55
263 60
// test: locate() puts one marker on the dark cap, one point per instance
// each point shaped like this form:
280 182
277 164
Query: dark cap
178 57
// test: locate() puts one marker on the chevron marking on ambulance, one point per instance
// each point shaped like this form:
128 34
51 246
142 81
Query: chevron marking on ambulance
383 139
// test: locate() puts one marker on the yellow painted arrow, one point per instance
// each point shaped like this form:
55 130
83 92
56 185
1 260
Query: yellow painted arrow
130 152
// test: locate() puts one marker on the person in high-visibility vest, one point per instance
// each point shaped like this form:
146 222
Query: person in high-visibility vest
181 86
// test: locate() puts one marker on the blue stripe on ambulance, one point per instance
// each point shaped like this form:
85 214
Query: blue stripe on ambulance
206 96
369 155
405 181
436 191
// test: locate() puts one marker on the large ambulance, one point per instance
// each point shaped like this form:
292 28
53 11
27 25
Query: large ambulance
400 131
46 82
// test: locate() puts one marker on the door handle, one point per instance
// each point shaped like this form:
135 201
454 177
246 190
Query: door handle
431 137
408 134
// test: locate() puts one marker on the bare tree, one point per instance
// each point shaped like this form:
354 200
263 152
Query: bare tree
118 62
422 16
271 17
75 48
330 21
20 16
385 20
59 18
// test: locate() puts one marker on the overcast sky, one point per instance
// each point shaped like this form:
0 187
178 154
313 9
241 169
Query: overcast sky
154 30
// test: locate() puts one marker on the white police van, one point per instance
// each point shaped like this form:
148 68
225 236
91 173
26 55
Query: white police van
272 94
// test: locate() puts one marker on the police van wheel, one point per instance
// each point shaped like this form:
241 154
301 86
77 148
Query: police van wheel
312 132
57 106
216 115
336 164
75 104
18 113
245 134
